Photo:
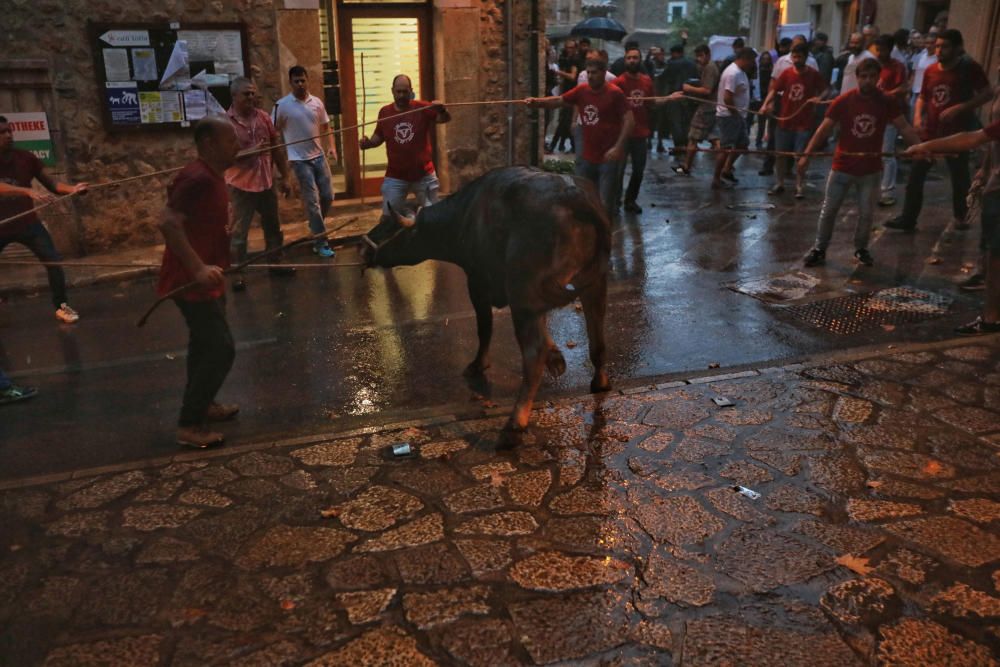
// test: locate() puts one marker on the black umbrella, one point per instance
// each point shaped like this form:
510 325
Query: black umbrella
599 27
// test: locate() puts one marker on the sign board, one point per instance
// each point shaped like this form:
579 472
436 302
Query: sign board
156 76
31 133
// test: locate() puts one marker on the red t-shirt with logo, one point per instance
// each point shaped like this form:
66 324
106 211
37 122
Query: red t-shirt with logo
943 88
891 76
862 120
602 113
634 88
796 89
200 195
407 140
20 169
993 130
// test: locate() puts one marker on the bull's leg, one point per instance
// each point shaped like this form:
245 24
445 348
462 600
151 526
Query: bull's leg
555 363
530 331
595 302
480 295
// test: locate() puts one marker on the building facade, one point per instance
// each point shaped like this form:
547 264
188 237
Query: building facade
454 50
979 20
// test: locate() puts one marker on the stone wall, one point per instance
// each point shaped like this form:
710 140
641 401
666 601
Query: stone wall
470 54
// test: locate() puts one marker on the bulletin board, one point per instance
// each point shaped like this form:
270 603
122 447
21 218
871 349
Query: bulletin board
162 76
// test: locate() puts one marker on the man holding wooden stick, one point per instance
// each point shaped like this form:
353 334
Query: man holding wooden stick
194 225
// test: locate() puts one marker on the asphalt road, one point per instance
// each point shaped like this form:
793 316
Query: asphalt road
335 349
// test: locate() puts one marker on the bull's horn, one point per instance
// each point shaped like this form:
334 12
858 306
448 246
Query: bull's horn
407 222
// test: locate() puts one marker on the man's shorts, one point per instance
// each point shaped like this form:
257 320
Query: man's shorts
732 131
705 129
991 221
791 141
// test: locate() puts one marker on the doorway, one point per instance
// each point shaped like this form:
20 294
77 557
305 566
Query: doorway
393 40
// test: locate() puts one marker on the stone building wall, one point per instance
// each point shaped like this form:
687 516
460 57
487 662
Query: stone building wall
470 63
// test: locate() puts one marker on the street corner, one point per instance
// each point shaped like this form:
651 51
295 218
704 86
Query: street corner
848 506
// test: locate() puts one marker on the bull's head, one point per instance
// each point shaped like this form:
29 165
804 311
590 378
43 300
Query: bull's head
382 244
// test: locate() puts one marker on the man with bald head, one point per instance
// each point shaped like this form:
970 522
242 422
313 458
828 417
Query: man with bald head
194 226
405 127
856 53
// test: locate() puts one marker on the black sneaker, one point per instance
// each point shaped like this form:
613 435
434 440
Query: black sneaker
865 257
632 207
902 224
729 176
973 283
978 327
13 393
816 257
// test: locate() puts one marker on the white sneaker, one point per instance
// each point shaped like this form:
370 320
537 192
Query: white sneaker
67 315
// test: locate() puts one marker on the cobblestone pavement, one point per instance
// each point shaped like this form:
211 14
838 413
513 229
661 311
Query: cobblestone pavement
611 535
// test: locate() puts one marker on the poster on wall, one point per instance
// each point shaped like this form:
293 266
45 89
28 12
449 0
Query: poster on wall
122 98
31 133
158 76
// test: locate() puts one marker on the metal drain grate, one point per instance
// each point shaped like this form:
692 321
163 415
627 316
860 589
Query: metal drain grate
862 312
777 288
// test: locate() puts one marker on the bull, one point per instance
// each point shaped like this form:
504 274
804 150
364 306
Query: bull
526 238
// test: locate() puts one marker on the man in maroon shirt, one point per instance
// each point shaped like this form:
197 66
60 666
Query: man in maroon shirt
606 121
18 169
893 81
800 87
989 321
635 85
194 228
861 115
407 139
952 89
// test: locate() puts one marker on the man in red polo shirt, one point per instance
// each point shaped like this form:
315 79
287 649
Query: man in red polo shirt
952 89
635 85
861 115
989 321
606 121
799 86
194 228
407 139
894 82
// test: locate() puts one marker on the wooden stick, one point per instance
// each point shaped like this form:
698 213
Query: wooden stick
364 113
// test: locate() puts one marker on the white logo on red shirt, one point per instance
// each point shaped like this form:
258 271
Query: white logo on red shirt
864 126
796 92
590 115
635 98
941 94
404 132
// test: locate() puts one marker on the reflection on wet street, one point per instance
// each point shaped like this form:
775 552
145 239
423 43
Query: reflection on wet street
333 350
831 515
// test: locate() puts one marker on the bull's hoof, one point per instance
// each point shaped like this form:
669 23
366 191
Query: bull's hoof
555 362
476 369
600 384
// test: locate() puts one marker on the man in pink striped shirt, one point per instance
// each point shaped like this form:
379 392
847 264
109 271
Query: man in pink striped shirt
250 180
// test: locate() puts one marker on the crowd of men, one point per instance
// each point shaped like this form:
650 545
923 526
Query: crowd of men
802 97
924 89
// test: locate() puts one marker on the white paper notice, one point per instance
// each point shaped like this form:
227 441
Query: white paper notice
170 107
177 74
116 65
230 67
195 105
205 80
212 45
144 64
213 104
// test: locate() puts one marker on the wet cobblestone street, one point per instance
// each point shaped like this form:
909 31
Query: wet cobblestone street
611 535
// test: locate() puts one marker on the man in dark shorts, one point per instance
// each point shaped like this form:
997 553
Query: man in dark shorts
989 321
194 228
703 124
18 169
731 112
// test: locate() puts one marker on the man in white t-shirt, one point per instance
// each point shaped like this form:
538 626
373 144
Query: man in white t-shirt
923 60
785 61
856 47
730 113
301 118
